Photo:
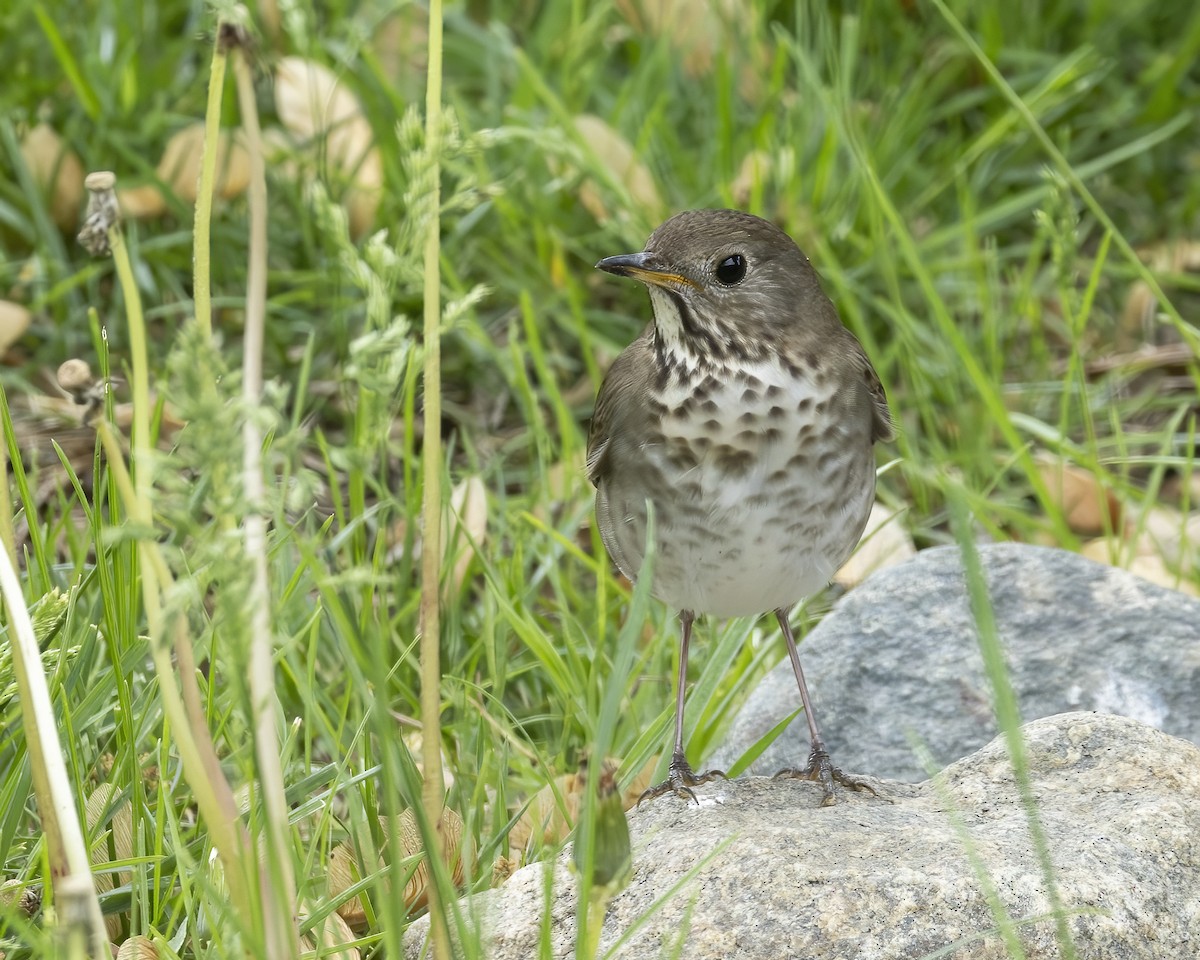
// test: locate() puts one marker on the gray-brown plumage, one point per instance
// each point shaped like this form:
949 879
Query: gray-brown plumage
746 414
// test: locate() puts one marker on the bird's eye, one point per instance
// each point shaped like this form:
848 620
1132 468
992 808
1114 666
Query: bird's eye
731 270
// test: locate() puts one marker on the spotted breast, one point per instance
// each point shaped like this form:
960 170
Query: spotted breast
745 472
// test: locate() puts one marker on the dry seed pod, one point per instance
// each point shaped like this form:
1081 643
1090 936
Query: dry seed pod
503 868
551 820
138 948
10 891
416 891
313 105
334 933
1088 507
75 376
1137 318
116 845
14 321
141 202
310 100
362 197
179 169
545 816
467 525
75 379
57 170
16 893
106 798
180 163
103 213
343 871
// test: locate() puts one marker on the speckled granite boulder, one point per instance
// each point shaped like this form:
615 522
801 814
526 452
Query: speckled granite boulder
899 657
869 879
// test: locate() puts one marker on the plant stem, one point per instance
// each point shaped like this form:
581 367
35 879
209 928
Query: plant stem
139 364
201 767
66 850
201 229
7 538
279 887
431 551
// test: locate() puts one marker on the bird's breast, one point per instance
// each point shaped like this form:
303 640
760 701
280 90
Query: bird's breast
760 486
751 433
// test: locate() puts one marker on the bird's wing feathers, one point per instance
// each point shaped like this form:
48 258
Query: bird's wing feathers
612 418
883 427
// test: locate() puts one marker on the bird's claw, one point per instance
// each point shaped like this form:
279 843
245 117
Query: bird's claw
680 780
821 769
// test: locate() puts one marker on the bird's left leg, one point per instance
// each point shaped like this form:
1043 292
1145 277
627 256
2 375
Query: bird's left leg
820 767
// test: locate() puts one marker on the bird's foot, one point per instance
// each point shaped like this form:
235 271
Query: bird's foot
680 780
821 769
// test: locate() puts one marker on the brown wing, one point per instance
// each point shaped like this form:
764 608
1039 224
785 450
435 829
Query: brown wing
616 415
883 427
855 365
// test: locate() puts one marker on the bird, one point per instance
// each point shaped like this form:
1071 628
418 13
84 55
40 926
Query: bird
744 417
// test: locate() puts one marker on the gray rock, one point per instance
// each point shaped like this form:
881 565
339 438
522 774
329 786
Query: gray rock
899 657
867 879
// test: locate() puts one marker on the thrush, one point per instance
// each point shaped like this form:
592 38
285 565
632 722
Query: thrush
745 416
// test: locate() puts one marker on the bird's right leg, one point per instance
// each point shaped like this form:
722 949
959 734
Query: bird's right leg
680 776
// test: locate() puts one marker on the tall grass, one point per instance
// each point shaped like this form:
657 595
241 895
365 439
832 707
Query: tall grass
973 181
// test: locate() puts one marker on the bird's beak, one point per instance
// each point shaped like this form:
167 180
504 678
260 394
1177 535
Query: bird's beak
645 267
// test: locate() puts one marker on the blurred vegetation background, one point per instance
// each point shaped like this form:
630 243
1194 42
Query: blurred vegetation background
1002 198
